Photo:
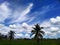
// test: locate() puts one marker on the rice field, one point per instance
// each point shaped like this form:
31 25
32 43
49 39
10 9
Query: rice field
30 42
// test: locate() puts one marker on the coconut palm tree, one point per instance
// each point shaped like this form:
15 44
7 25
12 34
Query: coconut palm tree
38 32
11 35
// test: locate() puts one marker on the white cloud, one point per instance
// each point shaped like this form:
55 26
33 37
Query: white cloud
17 16
27 35
21 30
19 36
46 24
24 12
4 29
24 30
4 11
31 19
20 16
39 14
55 20
52 27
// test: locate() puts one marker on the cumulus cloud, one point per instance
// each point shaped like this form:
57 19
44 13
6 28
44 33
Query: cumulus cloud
52 27
22 30
4 29
55 20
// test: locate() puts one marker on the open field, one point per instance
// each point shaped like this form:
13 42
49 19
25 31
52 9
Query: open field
29 42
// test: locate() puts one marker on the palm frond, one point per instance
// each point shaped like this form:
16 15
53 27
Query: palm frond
35 36
40 35
42 27
34 28
32 32
42 32
37 31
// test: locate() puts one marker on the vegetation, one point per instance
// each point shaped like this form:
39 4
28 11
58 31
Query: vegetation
3 36
38 38
30 42
38 33
11 35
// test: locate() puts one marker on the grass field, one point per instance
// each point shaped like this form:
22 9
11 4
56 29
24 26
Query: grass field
29 42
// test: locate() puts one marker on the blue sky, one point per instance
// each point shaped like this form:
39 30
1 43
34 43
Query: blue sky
26 13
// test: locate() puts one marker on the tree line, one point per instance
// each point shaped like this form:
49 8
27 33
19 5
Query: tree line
9 36
36 30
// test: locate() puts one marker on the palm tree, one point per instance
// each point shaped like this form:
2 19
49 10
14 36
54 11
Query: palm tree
38 33
11 35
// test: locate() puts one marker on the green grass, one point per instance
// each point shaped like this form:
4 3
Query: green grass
29 42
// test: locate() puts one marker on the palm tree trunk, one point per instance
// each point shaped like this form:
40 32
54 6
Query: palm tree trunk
37 41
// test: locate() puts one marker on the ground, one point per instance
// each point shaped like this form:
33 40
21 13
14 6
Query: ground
29 42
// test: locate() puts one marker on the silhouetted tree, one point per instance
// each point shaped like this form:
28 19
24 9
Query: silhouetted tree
3 36
38 33
0 36
11 35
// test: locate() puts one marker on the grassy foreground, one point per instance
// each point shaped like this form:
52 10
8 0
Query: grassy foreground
29 42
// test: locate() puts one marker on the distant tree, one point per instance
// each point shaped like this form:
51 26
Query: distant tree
11 35
3 36
0 36
38 33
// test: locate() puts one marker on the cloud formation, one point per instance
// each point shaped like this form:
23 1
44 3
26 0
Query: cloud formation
15 16
21 30
52 27
4 11
22 15
52 30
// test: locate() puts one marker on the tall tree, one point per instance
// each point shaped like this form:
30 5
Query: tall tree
38 33
11 35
